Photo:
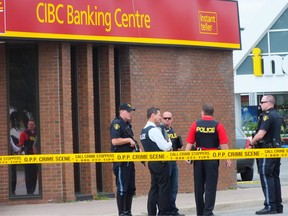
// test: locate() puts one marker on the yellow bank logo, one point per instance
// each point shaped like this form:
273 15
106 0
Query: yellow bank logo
268 65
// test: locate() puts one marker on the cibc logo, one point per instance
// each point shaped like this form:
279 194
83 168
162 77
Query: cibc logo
269 65
2 16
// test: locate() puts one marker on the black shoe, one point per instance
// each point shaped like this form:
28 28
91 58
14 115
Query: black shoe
265 211
279 211
210 214
125 214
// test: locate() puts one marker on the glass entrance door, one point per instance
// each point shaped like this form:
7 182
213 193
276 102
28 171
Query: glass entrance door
22 73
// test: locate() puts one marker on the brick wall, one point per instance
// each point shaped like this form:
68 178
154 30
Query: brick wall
86 116
107 91
66 119
181 80
55 119
4 132
176 79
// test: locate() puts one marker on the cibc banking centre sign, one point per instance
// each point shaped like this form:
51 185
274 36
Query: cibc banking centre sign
209 23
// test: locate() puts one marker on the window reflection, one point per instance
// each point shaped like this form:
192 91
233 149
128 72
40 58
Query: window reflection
23 87
15 148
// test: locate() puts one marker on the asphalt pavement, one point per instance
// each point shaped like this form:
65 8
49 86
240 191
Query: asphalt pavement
237 202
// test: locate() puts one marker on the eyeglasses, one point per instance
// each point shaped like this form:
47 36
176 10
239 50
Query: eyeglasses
262 102
167 118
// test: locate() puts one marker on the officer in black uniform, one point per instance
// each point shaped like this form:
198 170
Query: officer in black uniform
122 141
268 136
206 134
166 123
152 139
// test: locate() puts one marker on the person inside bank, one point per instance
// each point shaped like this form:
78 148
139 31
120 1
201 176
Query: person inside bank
26 141
15 148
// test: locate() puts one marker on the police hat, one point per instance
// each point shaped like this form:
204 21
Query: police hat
126 106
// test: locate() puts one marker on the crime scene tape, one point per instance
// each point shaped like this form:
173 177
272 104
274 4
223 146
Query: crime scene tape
144 156
249 182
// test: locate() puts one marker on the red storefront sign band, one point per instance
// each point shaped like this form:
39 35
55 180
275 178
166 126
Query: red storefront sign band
210 23
2 16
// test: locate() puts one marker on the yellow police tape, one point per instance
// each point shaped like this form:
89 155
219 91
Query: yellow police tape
144 156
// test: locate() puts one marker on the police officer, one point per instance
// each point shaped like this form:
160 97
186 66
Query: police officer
268 135
152 139
166 123
122 141
206 134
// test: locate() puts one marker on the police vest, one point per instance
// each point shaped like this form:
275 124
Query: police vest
147 143
206 134
28 144
172 135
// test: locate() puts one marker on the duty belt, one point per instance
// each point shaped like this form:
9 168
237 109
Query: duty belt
264 144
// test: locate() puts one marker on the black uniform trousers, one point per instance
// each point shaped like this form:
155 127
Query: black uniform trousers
125 182
269 171
205 182
125 178
159 192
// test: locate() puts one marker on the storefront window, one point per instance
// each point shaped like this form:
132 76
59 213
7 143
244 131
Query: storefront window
282 22
283 109
249 115
245 67
276 41
263 44
22 64
249 119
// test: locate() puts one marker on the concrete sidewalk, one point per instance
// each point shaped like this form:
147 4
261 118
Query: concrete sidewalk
235 199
